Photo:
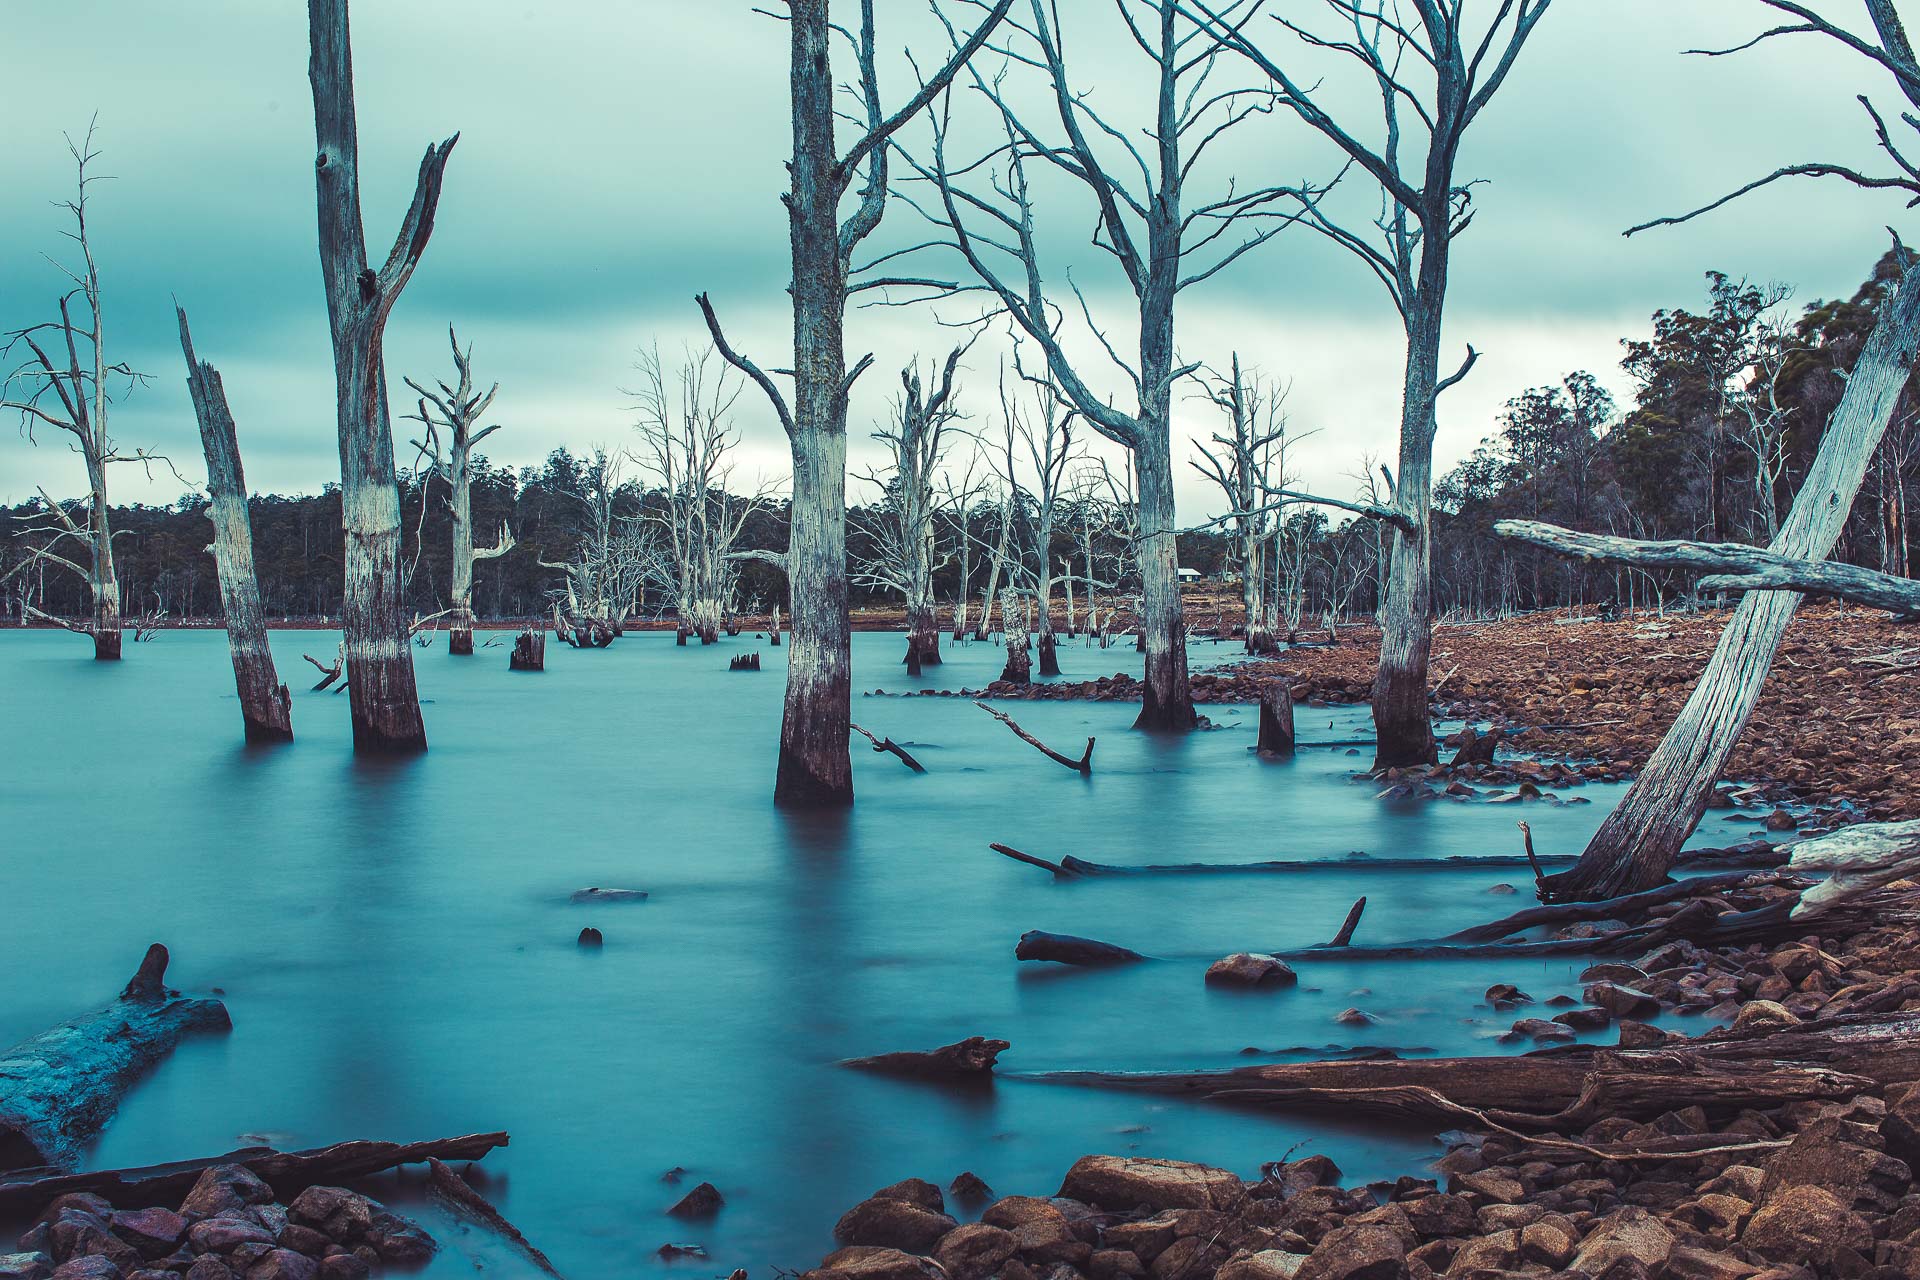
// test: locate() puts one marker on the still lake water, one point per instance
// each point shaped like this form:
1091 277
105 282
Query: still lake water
397 947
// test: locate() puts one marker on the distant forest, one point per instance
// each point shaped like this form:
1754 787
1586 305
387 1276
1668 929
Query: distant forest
1733 393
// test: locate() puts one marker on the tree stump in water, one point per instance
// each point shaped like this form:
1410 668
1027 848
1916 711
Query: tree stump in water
744 662
680 636
1049 659
1276 719
913 659
529 651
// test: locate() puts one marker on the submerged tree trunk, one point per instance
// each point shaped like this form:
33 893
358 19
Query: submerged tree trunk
1166 699
265 705
1402 722
1636 844
380 680
1018 668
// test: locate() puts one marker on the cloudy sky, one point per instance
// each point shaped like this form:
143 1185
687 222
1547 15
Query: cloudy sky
615 158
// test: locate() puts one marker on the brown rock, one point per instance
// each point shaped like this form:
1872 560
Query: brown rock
1758 1014
1439 1215
339 1214
1189 1258
883 1222
1860 1176
975 1251
1496 1185
1251 969
208 1267
1356 1253
93 1266
25 1265
154 1232
1805 1224
225 1188
1144 1238
1115 1264
284 1264
704 1201
1551 1241
344 1266
1628 1233
1119 1182
915 1191
1262 1264
1694 1262
1499 1252
303 1240
866 1262
1621 1001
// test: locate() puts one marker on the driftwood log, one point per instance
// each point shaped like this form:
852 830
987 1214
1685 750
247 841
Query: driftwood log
287 1172
59 1089
1064 948
972 1058
1570 1086
451 1192
1082 766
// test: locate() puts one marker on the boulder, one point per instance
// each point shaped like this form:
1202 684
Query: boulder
970 1188
208 1267
1550 1241
1584 1018
1262 1264
93 1266
344 1266
1806 1224
339 1214
1115 1264
1121 1182
1758 1015
1041 1229
1434 1216
154 1232
25 1266
225 1188
1366 1252
1498 1186
1250 969
975 1251
1862 1177
884 1222
284 1264
1621 1001
915 1191
1630 1233
703 1201
866 1262
1697 1262
972 1058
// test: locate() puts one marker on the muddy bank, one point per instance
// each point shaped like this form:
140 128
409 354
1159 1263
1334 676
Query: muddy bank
1839 719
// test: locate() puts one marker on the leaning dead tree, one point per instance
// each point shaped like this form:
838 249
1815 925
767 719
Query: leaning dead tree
1163 241
386 704
266 708
1432 79
815 768
901 526
696 517
62 381
450 415
1248 463
1636 844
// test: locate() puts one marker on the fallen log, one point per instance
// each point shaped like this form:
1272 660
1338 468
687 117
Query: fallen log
59 1089
1627 907
287 1172
1070 867
1083 766
889 745
1571 1086
972 1058
1064 948
451 1192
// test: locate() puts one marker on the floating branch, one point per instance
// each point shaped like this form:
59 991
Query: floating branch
328 674
888 744
1347 926
449 1190
1083 766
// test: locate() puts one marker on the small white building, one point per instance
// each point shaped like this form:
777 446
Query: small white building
1189 575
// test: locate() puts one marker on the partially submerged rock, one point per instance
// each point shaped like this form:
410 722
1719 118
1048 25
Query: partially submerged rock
972 1058
1251 969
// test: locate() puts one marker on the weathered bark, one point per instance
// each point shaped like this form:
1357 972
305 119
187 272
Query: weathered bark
266 708
1636 844
287 1172
1276 719
1403 724
380 680
59 1089
886 745
1166 699
529 651
1018 668
1072 868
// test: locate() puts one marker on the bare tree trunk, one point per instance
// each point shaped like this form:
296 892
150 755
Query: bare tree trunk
265 705
1013 614
1635 846
1402 724
380 681
105 627
460 618
1166 699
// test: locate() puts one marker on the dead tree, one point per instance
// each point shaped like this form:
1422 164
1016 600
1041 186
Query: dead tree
902 525
386 704
605 579
815 768
1431 78
455 410
1248 464
1043 433
1637 842
697 518
266 708
1018 668
1163 241
62 381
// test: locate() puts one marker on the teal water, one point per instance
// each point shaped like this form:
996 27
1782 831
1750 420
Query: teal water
397 948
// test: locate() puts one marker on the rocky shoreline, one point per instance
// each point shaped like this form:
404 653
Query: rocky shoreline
1809 1190
229 1227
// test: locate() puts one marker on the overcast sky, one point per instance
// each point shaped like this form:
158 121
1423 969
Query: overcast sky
615 158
